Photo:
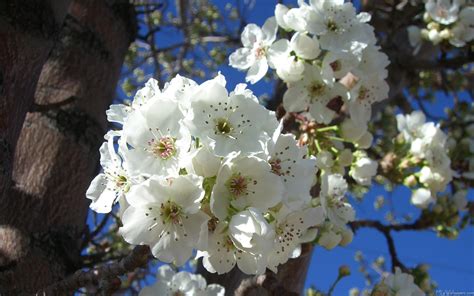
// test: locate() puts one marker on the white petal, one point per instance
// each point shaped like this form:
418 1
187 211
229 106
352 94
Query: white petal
305 47
243 58
269 30
250 35
257 71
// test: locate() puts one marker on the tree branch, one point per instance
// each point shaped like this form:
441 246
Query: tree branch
137 258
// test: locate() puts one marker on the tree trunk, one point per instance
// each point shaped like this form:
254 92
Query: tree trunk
44 214
27 30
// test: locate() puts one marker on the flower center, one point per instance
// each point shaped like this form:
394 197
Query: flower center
336 66
170 212
260 52
121 181
223 126
237 185
363 93
276 166
332 26
316 89
178 293
442 12
164 148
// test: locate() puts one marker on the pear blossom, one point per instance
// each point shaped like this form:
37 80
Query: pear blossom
338 63
292 19
352 131
292 229
245 181
372 65
443 11
171 283
221 254
119 112
287 56
363 95
434 179
253 56
463 30
331 198
298 173
421 198
251 232
229 123
398 283
204 163
107 187
329 237
363 170
156 139
165 214
410 124
338 26
315 93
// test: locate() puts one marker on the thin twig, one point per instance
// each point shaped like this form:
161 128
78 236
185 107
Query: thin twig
137 258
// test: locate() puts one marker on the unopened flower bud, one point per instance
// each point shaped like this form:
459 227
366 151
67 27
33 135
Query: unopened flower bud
410 181
344 270
445 34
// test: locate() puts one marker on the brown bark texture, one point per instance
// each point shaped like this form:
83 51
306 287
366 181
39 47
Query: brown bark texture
28 30
42 217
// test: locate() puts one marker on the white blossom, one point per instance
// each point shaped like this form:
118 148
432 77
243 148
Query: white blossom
170 283
398 283
292 19
113 183
298 173
337 25
253 56
331 198
119 112
251 232
156 139
221 254
363 170
229 123
410 124
443 11
292 229
338 63
463 30
313 92
165 214
363 95
245 181
421 198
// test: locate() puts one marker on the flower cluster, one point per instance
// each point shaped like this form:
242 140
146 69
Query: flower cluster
397 283
331 59
426 148
197 168
446 21
170 283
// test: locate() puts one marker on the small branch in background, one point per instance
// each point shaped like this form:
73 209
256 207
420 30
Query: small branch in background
107 272
385 230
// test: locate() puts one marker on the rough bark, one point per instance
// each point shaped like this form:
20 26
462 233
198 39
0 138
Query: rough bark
27 30
44 214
